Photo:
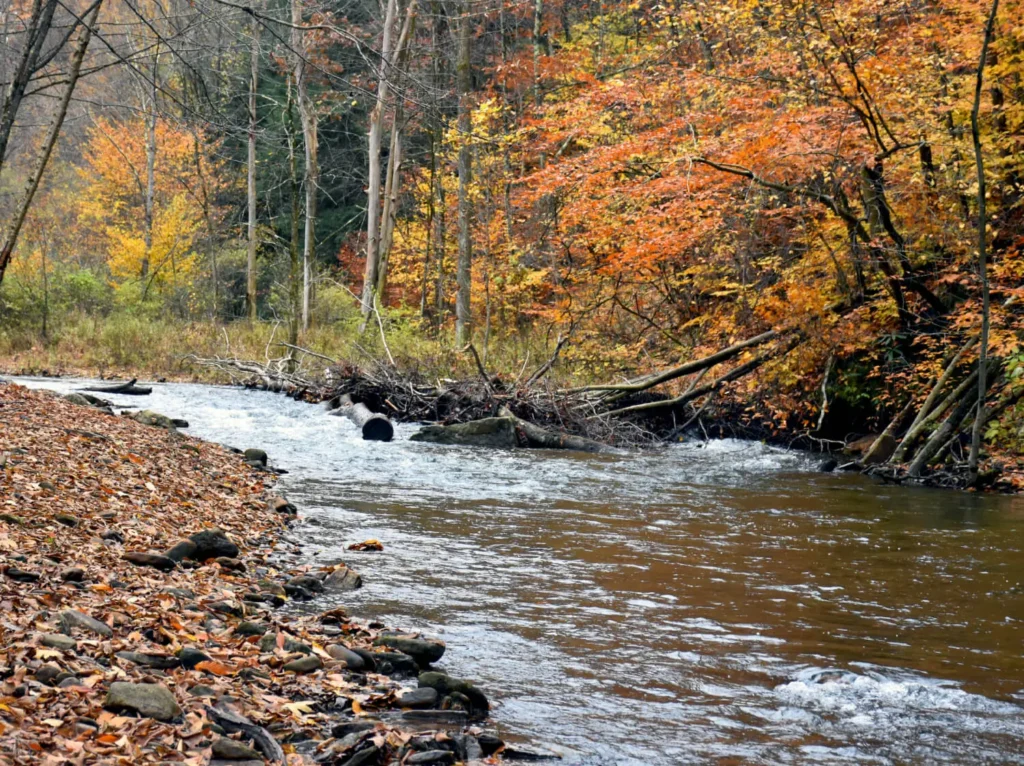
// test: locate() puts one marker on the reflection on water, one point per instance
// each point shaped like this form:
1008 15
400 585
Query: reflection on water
690 605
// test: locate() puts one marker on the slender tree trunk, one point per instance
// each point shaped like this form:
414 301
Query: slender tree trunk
463 317
250 273
307 116
390 204
150 165
294 282
11 237
979 418
538 46
376 136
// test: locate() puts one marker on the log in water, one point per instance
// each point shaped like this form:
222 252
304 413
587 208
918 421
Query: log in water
373 425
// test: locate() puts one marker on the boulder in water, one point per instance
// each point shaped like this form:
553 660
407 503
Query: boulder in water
499 433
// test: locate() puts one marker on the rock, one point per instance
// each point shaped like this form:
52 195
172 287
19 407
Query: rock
66 519
202 690
363 757
57 641
445 685
499 433
10 518
312 584
255 456
211 544
21 575
269 586
451 718
224 762
423 651
396 664
352 660
75 574
251 629
342 730
513 753
470 747
148 700
184 549
189 657
264 598
342 579
232 565
111 534
304 664
47 674
368 657
425 697
489 743
233 750
78 399
828 465
156 661
155 560
179 423
298 592
269 643
226 607
431 757
180 593
280 505
71 619
155 419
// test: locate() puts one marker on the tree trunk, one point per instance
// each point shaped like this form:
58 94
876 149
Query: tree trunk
373 425
293 242
979 418
250 273
307 116
463 317
150 166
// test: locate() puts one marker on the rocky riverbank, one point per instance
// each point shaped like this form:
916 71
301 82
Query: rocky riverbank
142 619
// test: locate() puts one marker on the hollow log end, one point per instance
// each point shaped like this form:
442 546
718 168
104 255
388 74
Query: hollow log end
378 430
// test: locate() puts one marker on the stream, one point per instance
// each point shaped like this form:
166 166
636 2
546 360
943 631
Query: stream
719 603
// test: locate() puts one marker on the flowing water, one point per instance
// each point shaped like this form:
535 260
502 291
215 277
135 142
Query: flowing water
719 603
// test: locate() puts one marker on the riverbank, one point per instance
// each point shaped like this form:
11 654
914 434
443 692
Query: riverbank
140 592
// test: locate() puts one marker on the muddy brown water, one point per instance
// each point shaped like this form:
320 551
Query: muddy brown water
718 603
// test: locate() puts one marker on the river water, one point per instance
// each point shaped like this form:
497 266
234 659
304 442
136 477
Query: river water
719 603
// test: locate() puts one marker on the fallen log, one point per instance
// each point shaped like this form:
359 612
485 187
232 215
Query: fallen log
373 425
542 438
128 388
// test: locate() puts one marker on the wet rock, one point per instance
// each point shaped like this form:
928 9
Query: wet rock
489 743
251 629
513 753
828 465
68 681
446 685
269 643
211 544
396 664
113 535
423 651
148 700
71 619
280 505
155 661
57 641
497 433
312 584
431 757
155 560
363 757
202 690
352 660
179 423
269 586
304 664
233 750
47 674
425 697
264 598
298 592
155 419
342 579
368 658
441 718
74 574
257 456
189 657
21 575
469 747
66 519
181 550
342 730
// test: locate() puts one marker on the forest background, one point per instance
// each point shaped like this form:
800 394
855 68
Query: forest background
621 186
